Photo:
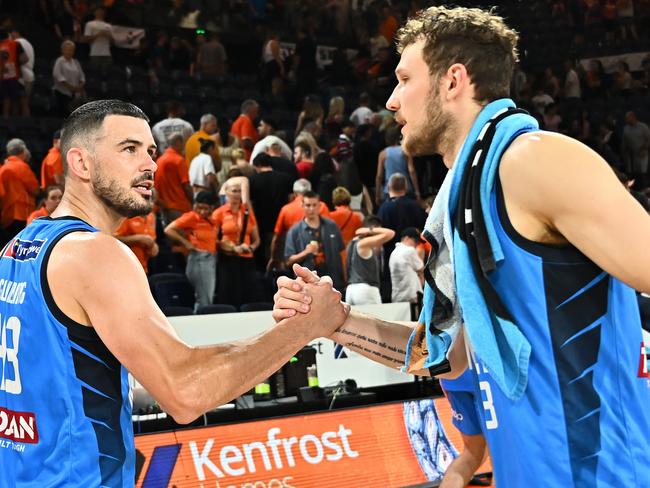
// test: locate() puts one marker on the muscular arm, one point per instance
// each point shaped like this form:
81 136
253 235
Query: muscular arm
462 469
557 190
185 380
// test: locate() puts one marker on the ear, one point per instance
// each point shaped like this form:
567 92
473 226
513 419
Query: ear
455 81
77 159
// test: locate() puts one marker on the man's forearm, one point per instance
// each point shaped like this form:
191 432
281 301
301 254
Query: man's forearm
383 342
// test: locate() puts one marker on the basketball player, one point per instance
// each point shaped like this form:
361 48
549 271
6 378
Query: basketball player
76 314
575 247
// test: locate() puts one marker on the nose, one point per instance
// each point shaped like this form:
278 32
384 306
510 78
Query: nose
393 103
150 165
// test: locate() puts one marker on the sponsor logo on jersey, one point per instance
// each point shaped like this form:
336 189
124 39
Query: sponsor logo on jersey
18 426
24 250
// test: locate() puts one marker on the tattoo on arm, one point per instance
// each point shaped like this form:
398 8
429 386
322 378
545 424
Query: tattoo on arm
371 346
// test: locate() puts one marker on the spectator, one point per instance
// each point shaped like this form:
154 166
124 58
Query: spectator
366 152
211 58
595 80
26 70
173 124
270 190
52 165
361 115
243 128
69 79
635 144
172 181
551 83
541 100
302 156
18 189
335 117
398 212
139 233
389 24
180 54
238 238
406 267
209 129
393 160
552 118
278 159
241 163
572 91
315 242
50 201
203 171
344 145
197 232
99 34
273 64
312 111
310 135
266 133
364 262
625 10
347 219
12 57
323 179
292 213
623 78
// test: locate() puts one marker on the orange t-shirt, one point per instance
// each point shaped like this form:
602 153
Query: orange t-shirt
348 221
231 225
18 184
139 225
292 213
37 214
52 165
244 128
169 179
388 28
202 233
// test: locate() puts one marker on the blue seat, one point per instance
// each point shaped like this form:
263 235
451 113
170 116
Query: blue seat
172 290
177 311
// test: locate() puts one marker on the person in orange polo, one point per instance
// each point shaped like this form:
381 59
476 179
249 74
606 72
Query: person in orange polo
172 180
53 195
239 237
346 219
52 165
197 231
139 233
244 126
290 214
18 189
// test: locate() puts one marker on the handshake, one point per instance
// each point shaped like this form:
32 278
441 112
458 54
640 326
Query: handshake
311 302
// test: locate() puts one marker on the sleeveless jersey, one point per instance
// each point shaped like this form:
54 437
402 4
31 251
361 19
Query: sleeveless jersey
65 409
584 419
461 394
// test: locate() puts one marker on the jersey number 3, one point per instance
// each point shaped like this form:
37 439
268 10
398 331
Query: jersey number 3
9 342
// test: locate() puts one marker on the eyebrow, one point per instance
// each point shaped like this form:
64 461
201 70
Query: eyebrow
135 142
399 71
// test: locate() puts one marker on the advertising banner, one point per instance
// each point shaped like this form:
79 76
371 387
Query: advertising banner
390 445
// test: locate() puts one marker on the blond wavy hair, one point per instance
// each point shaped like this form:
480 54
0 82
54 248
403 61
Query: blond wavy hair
478 39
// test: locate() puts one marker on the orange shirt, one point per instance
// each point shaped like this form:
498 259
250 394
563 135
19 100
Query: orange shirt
347 220
18 183
193 145
169 179
37 214
202 233
10 64
292 213
244 128
231 225
388 28
52 165
139 225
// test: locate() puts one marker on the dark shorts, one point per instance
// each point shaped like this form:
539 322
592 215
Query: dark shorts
11 89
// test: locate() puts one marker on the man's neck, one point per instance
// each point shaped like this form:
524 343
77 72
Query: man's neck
89 209
392 194
454 142
313 222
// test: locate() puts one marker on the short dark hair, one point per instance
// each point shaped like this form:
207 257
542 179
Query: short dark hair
262 160
206 145
372 221
206 197
310 194
393 135
270 121
88 119
306 149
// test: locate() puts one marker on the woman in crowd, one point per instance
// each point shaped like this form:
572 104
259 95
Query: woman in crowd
69 79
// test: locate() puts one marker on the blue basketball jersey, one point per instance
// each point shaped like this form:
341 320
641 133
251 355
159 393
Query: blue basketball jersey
65 410
461 394
584 419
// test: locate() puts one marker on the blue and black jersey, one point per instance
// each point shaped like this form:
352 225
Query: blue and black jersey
65 410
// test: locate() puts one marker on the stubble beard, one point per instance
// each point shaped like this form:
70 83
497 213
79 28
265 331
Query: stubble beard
432 135
119 199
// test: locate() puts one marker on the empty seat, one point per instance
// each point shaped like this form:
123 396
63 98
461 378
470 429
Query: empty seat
172 290
256 307
216 308
177 311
